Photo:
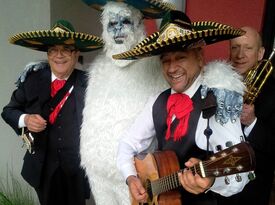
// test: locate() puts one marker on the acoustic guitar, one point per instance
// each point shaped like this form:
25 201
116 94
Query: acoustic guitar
158 171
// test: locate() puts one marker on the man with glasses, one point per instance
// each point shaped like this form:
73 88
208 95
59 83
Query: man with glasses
48 106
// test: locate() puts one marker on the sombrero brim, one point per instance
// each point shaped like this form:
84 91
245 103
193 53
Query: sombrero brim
204 33
150 8
42 39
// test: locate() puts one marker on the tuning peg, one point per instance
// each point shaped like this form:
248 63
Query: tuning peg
251 176
238 178
226 180
218 148
228 144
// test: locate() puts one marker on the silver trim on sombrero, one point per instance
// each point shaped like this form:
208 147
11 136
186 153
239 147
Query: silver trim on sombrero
153 42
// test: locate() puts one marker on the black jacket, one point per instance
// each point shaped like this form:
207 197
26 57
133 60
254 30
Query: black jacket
30 97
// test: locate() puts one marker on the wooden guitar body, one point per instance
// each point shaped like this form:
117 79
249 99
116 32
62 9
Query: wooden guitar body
154 166
158 171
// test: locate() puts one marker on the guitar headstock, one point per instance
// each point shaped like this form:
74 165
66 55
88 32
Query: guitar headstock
235 159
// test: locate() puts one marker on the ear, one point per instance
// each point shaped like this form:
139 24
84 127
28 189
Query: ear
261 53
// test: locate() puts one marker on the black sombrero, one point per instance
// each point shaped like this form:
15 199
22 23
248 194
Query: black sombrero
149 8
178 33
62 33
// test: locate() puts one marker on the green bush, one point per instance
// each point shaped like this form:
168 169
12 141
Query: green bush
12 192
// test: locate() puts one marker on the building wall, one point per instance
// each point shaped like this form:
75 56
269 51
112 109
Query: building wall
16 16
234 13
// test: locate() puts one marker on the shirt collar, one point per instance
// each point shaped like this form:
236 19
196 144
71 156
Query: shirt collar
54 77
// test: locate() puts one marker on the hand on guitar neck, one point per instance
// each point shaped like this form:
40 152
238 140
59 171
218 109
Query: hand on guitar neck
159 174
191 182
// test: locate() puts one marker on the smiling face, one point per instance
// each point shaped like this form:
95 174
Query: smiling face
62 60
246 50
181 68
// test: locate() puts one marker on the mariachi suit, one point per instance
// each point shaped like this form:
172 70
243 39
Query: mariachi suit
57 146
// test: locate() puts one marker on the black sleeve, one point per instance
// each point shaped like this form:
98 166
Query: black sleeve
15 108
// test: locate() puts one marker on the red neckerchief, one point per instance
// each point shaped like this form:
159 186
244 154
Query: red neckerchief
178 105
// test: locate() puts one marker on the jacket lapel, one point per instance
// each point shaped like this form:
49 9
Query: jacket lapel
79 94
44 93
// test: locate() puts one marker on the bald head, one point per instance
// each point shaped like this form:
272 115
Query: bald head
253 33
246 51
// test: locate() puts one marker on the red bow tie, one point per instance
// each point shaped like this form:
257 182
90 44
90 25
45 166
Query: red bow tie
180 106
56 85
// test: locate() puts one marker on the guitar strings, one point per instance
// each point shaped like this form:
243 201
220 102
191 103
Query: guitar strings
171 181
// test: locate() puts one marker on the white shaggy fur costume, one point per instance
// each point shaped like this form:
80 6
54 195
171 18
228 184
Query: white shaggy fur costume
116 93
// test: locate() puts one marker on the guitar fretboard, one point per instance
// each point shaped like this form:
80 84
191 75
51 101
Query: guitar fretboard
169 182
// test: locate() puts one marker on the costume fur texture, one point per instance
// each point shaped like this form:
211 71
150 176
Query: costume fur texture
221 75
117 91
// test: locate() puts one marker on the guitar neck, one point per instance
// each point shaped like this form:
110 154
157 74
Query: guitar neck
236 159
170 182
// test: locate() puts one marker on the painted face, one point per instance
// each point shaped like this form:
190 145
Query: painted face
122 29
245 51
181 68
119 26
62 60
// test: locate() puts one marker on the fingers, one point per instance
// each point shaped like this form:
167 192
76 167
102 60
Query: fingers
35 123
248 114
137 190
191 162
191 182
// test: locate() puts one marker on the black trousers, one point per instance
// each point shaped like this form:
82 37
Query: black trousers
63 189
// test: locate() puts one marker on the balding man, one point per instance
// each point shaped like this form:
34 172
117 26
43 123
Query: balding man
247 50
258 120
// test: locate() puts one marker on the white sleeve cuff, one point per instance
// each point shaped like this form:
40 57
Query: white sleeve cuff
21 122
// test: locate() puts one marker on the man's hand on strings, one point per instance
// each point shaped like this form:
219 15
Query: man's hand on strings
138 192
194 183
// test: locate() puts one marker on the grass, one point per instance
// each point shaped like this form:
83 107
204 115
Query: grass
12 192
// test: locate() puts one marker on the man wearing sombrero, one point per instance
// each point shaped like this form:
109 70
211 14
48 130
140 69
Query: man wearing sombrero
178 119
46 110
117 91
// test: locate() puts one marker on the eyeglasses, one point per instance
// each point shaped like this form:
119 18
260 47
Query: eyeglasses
65 51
